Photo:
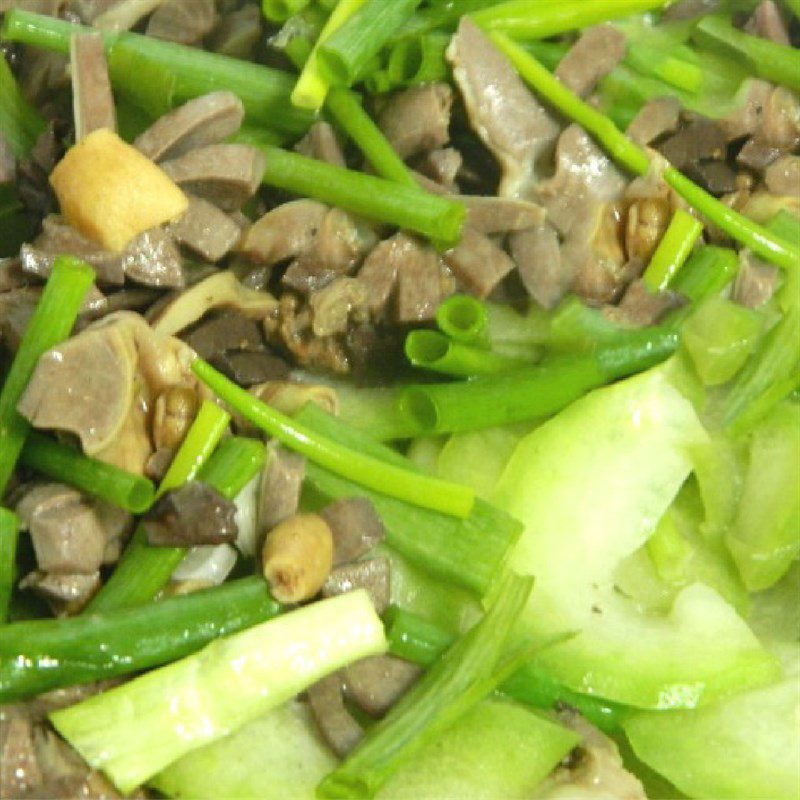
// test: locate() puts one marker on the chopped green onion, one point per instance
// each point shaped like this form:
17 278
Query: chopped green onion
785 225
672 251
449 498
155 89
312 87
676 72
769 60
144 570
468 553
348 113
535 392
525 20
707 272
41 655
438 218
68 465
631 156
50 324
344 55
464 319
9 530
281 10
20 123
411 61
420 641
233 465
133 731
373 411
459 680
263 91
434 351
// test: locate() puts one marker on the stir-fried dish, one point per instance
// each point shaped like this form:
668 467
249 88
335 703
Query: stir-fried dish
400 399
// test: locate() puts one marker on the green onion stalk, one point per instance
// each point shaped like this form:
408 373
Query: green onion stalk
434 351
264 91
51 323
42 655
707 272
281 10
144 570
674 248
411 61
68 465
9 531
760 240
19 121
443 496
468 671
464 319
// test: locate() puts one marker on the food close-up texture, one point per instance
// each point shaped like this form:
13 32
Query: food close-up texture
400 399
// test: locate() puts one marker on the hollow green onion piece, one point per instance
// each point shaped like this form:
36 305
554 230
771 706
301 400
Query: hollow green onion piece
348 113
411 61
9 530
441 15
233 465
629 155
281 10
535 392
436 217
434 351
144 570
344 55
769 60
461 678
373 411
794 7
672 251
707 272
201 440
264 91
523 19
68 465
155 90
673 71
19 121
449 498
312 87
50 654
420 641
464 319
51 323
468 553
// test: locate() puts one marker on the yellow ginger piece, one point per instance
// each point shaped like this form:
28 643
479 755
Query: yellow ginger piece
110 192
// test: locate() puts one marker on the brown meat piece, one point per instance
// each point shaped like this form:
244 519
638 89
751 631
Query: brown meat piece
537 254
640 307
755 282
205 230
281 484
441 166
372 575
209 119
194 514
417 120
378 274
699 140
65 531
747 118
250 367
655 119
783 176
227 175
19 769
378 682
285 232
336 724
506 116
92 100
598 51
500 214
8 163
152 259
228 330
690 9
333 306
183 21
237 33
73 591
768 23
718 177
478 263
356 528
322 143
420 285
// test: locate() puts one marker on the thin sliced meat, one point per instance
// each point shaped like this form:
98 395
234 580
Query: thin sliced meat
768 23
356 528
124 14
281 484
718 177
205 230
286 232
417 120
228 330
209 119
747 118
378 274
227 175
500 214
537 254
783 176
336 724
372 575
515 128
250 367
640 307
758 154
419 282
71 590
8 163
237 33
755 282
701 139
690 9
655 119
441 166
183 21
333 306
378 682
152 259
478 263
20 773
598 51
322 143
92 100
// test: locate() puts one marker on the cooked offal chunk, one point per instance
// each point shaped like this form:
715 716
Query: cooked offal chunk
417 120
478 263
356 528
591 58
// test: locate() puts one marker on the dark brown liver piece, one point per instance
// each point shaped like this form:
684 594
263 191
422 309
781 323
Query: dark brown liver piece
228 330
249 367
699 140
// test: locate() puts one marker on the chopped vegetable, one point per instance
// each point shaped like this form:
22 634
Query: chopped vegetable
434 351
9 530
673 250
